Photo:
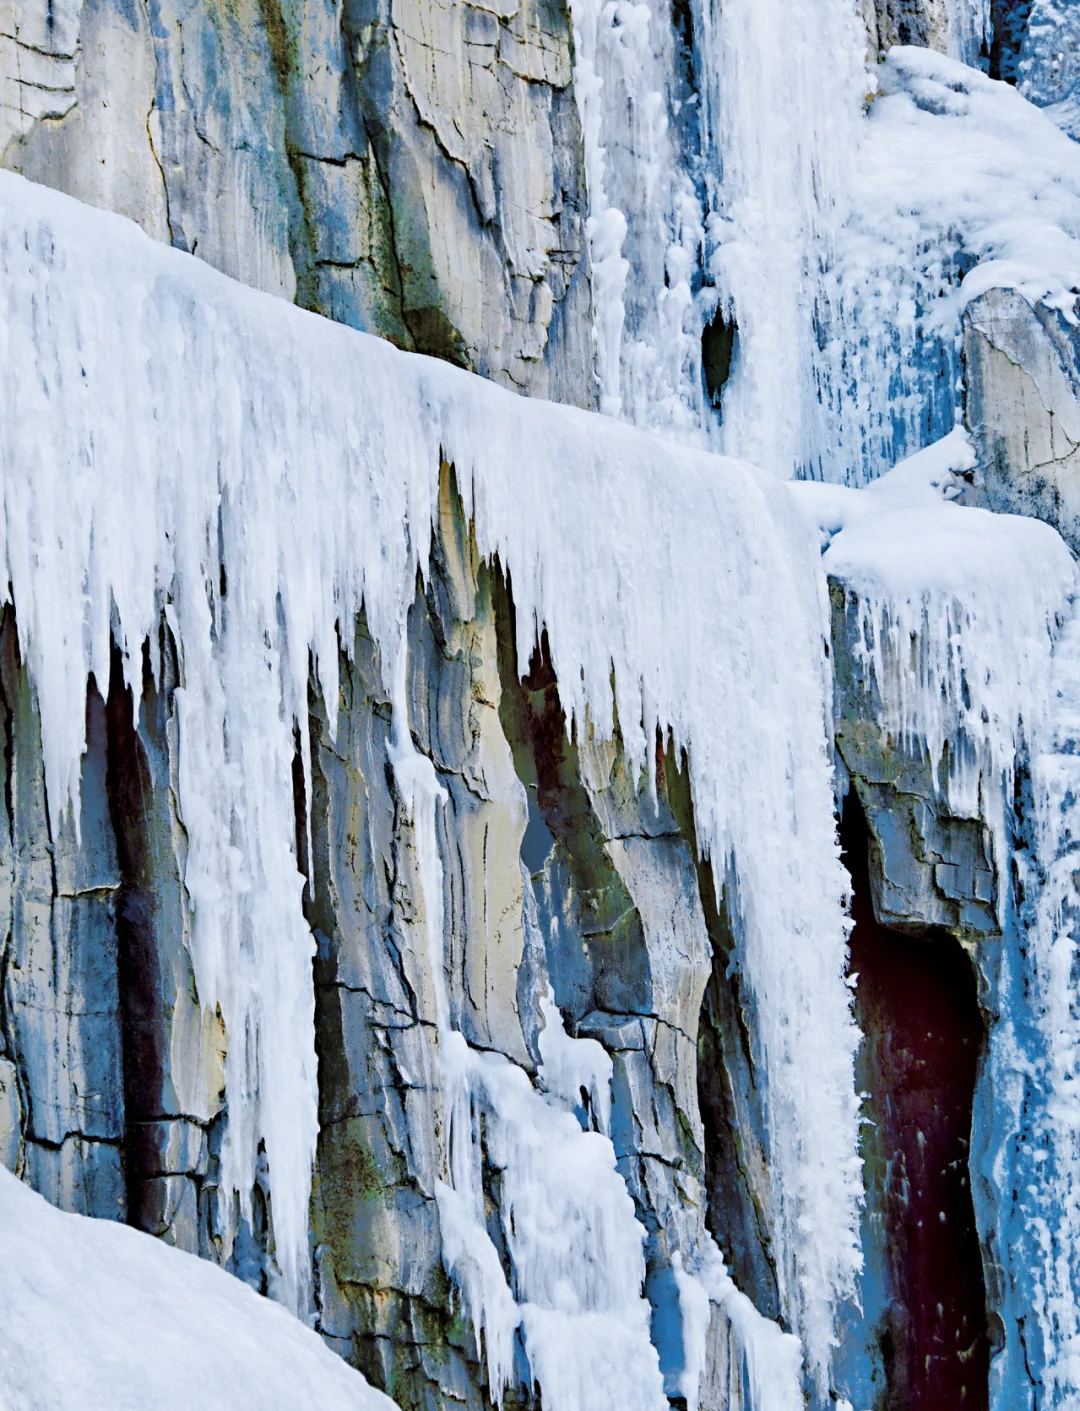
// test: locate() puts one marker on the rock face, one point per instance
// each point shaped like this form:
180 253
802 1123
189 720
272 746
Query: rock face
925 950
415 169
338 154
922 22
1022 372
560 870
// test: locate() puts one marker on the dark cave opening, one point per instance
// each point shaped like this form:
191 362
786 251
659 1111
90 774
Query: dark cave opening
719 341
917 1006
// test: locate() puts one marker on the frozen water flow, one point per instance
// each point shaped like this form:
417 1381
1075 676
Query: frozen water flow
764 1362
174 442
1036 1059
781 87
645 220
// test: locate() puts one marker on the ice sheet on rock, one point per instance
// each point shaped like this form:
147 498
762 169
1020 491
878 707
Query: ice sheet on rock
576 1072
766 1362
957 611
970 31
959 186
1035 1058
1048 64
95 1316
572 1244
174 441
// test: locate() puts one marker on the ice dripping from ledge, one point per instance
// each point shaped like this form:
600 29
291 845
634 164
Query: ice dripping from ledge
163 424
956 613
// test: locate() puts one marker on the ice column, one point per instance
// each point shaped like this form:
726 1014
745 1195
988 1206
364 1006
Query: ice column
645 220
970 30
781 87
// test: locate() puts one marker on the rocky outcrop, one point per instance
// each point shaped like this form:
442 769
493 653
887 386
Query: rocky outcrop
921 22
343 155
1022 378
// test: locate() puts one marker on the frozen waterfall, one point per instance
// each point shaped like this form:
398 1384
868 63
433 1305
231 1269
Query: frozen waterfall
176 444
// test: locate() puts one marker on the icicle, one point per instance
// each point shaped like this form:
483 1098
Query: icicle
957 611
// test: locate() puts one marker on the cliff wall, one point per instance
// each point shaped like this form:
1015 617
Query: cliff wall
418 170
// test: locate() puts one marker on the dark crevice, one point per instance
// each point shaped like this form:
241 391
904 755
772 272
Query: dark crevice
916 1003
1009 19
719 343
129 786
564 846
732 1115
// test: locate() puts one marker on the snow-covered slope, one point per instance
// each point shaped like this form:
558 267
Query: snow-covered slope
95 1316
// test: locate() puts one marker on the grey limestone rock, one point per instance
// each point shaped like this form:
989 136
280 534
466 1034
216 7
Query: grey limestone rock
1022 370
410 168
921 22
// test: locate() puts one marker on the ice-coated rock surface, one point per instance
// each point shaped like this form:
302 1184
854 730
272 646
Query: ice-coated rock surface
448 936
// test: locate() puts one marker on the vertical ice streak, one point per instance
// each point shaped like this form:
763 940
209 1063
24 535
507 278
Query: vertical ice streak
1045 1061
606 225
970 31
645 220
781 88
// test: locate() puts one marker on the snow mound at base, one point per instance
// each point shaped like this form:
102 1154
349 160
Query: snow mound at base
96 1316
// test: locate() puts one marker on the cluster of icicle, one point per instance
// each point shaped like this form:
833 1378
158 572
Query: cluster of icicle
176 444
954 612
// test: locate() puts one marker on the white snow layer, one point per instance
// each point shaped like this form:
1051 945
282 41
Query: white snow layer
95 1316
161 424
